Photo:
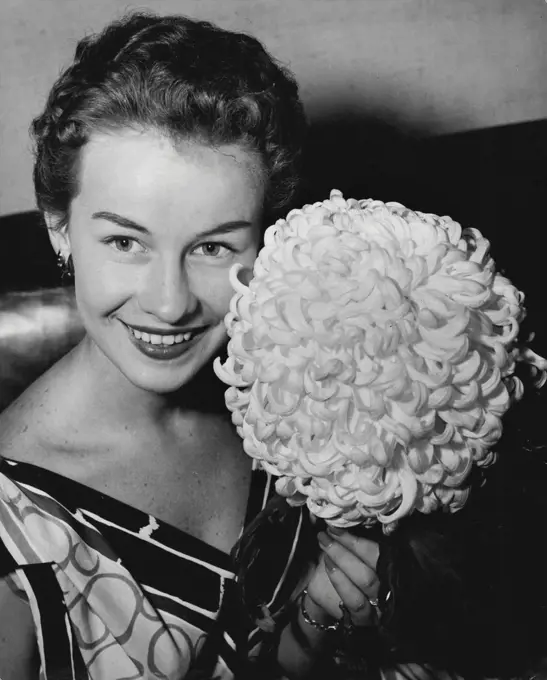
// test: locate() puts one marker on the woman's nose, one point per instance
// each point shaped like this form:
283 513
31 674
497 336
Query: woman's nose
166 293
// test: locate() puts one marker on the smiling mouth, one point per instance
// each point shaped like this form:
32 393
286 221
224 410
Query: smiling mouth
165 346
164 339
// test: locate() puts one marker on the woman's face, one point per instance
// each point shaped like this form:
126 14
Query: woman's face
153 233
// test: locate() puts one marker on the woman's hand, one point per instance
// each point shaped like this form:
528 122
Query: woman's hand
345 574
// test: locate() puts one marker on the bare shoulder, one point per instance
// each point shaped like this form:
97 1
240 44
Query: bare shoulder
32 423
19 426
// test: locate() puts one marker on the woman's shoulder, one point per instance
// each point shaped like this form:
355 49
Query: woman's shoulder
31 426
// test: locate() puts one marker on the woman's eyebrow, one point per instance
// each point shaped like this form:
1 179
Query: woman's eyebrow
226 227
130 224
119 220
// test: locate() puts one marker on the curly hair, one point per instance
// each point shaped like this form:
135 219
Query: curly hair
186 79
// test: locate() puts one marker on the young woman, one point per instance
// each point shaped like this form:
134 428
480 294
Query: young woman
162 153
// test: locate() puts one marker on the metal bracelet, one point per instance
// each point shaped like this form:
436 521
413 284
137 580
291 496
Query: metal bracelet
324 627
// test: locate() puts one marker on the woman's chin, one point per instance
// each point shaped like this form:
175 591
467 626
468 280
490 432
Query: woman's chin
189 376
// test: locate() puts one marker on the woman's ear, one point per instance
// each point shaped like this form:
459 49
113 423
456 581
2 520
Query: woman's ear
58 235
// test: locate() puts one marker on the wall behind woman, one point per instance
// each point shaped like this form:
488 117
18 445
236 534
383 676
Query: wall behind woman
430 66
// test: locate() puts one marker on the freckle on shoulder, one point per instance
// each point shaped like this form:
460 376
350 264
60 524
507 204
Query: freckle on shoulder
23 420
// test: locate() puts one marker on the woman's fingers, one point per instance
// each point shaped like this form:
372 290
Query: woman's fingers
367 551
346 575
355 601
329 587
343 559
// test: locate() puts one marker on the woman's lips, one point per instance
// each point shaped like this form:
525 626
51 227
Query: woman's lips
163 351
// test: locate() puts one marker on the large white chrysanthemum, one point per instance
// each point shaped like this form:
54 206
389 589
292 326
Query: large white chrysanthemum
371 359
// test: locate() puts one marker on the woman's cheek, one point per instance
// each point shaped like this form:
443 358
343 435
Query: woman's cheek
106 283
211 285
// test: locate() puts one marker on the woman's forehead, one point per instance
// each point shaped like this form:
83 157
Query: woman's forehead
146 171
138 148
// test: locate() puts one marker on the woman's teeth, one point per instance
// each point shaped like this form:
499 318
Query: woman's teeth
161 339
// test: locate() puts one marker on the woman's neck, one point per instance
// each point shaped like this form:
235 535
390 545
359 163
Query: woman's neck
108 392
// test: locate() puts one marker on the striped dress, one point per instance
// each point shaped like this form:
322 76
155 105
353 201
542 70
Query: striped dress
117 594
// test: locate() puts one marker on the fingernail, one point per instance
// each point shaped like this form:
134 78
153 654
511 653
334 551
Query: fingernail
329 564
336 531
324 540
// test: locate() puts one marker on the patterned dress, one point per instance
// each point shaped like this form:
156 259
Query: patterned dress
117 594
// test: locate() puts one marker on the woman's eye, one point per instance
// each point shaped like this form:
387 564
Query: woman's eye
213 249
123 244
